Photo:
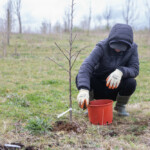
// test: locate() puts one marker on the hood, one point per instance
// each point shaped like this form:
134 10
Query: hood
121 33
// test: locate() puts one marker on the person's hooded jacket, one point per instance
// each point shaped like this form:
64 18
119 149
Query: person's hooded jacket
103 60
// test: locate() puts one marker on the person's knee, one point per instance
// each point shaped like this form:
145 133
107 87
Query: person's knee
128 86
131 84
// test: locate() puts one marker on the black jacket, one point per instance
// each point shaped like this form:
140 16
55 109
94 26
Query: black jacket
103 60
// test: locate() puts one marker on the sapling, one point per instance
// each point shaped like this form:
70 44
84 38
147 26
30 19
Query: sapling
70 56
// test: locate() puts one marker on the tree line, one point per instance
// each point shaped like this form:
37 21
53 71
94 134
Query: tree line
129 14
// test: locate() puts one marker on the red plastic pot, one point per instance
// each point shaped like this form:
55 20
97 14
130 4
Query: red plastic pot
100 112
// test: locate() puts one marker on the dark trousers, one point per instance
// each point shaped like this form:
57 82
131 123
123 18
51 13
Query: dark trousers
101 91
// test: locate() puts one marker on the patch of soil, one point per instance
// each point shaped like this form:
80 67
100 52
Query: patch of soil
142 122
2 147
69 126
136 128
111 133
31 148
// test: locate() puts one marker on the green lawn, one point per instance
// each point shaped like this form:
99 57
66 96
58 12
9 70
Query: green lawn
33 91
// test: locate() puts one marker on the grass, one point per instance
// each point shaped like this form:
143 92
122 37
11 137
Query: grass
34 91
38 126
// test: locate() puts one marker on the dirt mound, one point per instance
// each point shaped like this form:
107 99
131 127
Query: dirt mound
69 126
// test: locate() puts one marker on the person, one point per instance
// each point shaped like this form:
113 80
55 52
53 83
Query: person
109 71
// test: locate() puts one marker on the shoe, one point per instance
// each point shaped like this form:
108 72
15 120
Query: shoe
121 105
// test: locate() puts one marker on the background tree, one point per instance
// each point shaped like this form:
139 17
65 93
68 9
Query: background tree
84 23
9 19
57 27
98 19
147 12
89 19
3 37
45 27
107 15
129 11
17 9
66 20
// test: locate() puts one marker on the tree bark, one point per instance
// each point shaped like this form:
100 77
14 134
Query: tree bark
20 24
70 54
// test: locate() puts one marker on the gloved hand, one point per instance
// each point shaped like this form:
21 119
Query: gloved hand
113 80
83 98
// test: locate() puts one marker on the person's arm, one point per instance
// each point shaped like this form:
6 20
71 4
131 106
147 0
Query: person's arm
87 68
132 68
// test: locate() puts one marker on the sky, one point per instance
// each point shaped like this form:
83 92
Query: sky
33 12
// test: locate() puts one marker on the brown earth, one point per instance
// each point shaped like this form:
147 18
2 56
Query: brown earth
69 126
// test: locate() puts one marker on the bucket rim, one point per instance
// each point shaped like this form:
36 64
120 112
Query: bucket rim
102 105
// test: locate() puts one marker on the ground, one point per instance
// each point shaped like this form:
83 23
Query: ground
33 91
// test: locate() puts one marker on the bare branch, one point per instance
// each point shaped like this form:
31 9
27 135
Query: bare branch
66 51
74 54
57 64
107 15
74 38
61 51
78 55
17 9
130 13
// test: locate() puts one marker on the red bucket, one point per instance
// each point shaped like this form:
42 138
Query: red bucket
100 112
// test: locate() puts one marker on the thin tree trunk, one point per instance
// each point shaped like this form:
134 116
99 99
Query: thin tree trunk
149 24
70 93
70 54
20 24
8 26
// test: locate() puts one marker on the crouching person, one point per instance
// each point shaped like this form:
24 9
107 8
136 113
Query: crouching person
109 71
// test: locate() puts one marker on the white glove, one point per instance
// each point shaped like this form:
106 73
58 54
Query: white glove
83 98
113 80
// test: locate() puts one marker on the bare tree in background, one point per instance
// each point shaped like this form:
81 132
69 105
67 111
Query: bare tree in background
17 8
99 20
84 23
45 27
147 13
129 11
3 39
71 57
66 20
107 15
89 19
9 20
57 27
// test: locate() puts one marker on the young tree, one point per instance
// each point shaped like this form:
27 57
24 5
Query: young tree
17 8
70 56
107 15
129 11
